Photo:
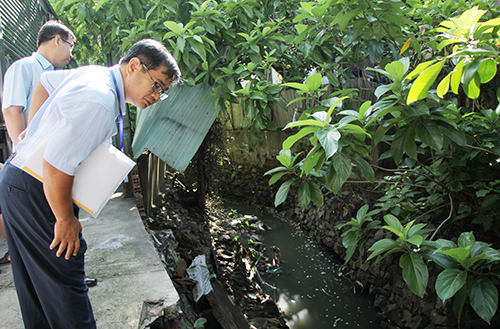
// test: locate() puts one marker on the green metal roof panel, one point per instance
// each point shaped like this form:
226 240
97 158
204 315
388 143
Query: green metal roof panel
174 129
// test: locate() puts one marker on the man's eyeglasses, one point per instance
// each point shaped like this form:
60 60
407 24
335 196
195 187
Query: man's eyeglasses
157 88
67 41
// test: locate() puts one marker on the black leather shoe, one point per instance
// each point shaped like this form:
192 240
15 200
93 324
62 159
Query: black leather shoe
5 259
90 282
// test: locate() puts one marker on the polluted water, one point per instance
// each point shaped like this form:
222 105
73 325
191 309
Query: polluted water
306 282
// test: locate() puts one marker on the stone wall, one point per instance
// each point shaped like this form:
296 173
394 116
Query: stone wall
242 174
399 307
242 179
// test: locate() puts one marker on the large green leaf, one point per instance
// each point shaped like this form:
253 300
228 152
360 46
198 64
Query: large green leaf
174 27
456 77
311 160
416 240
492 254
365 168
410 146
447 42
396 70
392 221
440 259
415 272
313 82
419 69
449 282
459 302
259 96
362 213
460 254
100 4
487 70
381 246
333 180
381 131
304 194
350 241
395 231
275 170
276 177
382 89
397 146
282 192
342 165
329 140
453 134
470 70
466 239
416 109
316 194
472 88
335 102
483 296
198 48
299 86
429 133
308 122
444 86
285 158
420 87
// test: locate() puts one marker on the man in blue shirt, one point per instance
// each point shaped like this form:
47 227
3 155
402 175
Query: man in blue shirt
54 42
40 219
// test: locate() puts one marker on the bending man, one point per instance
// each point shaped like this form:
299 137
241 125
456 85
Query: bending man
43 233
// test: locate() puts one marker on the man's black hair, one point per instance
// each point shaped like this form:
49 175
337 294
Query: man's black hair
52 28
153 55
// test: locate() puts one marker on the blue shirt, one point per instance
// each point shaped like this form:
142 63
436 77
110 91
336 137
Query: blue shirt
79 115
20 80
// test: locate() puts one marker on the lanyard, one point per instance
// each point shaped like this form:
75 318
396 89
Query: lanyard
120 116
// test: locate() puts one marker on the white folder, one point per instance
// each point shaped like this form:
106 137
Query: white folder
97 179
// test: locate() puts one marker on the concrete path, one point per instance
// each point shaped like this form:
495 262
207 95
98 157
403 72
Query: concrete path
133 289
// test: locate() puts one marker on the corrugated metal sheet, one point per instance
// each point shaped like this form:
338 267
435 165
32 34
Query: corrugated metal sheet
174 129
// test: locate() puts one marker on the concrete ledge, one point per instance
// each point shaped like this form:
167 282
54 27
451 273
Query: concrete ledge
133 287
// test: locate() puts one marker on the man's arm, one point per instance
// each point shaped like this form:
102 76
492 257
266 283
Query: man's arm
38 97
57 187
14 121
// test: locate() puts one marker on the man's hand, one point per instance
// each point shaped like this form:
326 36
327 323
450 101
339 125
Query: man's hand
21 136
67 236
57 187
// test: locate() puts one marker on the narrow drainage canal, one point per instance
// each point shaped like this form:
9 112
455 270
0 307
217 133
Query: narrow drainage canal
308 288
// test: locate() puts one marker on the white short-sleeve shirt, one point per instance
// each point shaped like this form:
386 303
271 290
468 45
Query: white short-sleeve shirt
79 115
20 80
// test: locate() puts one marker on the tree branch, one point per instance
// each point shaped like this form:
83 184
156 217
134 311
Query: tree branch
447 219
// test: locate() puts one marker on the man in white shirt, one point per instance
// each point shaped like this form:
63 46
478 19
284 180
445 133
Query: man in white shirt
41 225
55 42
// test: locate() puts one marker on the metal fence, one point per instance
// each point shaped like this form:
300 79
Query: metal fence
20 21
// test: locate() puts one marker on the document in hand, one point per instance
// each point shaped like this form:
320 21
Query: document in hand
97 179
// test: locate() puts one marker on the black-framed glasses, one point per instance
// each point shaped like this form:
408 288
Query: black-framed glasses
67 41
156 86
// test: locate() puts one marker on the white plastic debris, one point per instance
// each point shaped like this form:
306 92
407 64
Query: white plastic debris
199 271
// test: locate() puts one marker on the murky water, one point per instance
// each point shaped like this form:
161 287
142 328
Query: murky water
307 285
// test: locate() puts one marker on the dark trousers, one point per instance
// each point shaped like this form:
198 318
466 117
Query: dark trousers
51 290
